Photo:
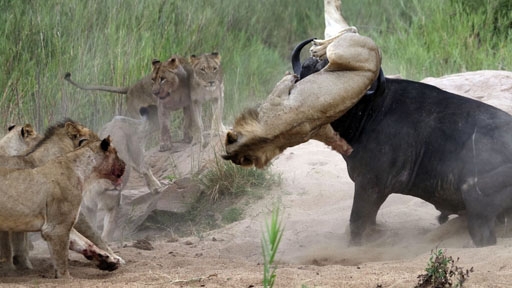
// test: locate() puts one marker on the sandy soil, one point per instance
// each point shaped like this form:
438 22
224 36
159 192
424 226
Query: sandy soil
316 194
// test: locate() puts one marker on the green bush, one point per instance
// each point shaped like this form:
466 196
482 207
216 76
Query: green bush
225 179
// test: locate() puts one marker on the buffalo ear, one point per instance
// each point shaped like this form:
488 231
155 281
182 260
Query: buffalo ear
231 137
105 143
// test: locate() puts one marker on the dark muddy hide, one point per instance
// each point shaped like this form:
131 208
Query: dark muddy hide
415 139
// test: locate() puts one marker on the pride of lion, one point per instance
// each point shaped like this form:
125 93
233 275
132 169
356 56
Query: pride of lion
176 84
92 181
59 139
42 191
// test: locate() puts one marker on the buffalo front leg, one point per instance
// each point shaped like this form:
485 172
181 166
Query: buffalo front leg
367 202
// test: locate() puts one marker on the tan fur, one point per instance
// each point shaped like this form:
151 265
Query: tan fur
130 136
191 83
47 198
208 86
137 96
18 139
295 112
171 87
59 139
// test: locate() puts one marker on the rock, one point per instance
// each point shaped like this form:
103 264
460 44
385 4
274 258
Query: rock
493 87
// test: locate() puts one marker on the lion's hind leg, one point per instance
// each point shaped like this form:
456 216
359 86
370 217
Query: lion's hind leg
6 249
57 238
20 245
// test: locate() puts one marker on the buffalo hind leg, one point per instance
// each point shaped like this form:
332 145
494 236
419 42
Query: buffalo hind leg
481 229
486 197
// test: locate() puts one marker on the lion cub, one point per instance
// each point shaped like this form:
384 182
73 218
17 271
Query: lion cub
47 198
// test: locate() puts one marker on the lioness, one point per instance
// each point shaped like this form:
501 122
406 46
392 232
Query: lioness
47 198
207 85
137 96
192 83
171 86
59 139
131 135
18 139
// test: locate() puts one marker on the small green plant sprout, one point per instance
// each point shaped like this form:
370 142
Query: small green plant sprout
171 177
269 244
441 270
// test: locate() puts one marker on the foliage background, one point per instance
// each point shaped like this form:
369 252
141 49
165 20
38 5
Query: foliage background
113 42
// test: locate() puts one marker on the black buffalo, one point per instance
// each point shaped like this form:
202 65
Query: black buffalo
415 139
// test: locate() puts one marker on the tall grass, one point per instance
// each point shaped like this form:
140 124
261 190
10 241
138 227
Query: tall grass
113 42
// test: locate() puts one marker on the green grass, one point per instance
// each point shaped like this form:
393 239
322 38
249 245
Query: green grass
270 241
113 42
227 189
225 179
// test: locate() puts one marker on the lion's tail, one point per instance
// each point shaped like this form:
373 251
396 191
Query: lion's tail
111 89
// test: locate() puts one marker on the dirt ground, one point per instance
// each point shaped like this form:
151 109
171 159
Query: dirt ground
316 194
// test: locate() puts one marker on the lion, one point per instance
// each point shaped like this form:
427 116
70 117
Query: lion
47 198
137 96
130 136
59 139
192 83
18 139
296 112
171 87
207 85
